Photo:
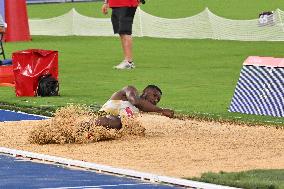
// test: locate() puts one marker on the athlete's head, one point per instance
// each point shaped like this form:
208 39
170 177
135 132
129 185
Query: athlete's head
152 93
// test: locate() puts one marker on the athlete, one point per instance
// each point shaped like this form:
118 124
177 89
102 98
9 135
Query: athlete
128 102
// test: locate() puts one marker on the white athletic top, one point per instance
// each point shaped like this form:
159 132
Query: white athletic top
119 108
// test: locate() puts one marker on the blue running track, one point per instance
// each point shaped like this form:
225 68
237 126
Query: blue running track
17 173
6 115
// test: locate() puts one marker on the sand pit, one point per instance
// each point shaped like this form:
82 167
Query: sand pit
172 147
78 124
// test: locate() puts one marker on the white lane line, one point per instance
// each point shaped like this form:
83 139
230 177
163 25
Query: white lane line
99 186
110 169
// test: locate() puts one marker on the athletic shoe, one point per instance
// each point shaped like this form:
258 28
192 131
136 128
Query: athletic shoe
125 65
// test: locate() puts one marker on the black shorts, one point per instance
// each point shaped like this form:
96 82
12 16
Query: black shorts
122 19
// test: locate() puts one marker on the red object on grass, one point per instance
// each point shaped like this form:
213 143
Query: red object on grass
16 18
29 66
7 76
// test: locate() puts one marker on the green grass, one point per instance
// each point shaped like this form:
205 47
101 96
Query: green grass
92 9
196 76
255 179
233 9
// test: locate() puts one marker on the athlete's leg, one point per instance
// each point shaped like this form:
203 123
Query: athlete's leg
109 121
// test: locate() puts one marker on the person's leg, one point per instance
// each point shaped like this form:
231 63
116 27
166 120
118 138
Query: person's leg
126 42
109 121
115 19
126 15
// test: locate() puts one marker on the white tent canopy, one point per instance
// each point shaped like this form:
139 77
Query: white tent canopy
205 25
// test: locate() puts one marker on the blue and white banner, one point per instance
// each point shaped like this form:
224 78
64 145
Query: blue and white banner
260 91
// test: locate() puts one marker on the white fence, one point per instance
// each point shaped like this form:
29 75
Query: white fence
205 25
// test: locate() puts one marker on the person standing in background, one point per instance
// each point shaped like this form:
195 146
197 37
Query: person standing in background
123 12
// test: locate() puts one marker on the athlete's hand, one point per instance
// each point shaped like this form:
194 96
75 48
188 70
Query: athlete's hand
167 112
105 8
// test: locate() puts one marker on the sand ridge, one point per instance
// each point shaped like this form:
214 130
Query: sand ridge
171 147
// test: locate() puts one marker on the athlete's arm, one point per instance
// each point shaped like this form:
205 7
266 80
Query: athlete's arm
133 97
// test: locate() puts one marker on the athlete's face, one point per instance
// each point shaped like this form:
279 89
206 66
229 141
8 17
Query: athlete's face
152 95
